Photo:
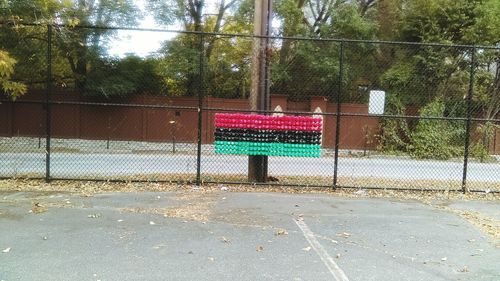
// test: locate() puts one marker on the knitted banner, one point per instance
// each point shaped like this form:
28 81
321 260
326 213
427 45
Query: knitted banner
253 134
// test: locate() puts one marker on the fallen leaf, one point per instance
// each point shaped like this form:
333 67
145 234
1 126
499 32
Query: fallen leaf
259 248
361 192
159 246
464 269
281 232
38 208
6 250
344 234
307 249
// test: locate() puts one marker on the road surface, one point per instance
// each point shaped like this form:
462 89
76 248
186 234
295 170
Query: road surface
75 165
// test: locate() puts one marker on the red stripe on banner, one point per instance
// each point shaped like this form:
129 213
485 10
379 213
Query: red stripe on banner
268 122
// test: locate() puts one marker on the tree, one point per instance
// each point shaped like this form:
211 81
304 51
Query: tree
11 88
82 47
190 14
76 49
113 77
225 73
27 44
431 76
434 72
315 62
388 17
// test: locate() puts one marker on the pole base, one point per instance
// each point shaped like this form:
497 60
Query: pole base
257 168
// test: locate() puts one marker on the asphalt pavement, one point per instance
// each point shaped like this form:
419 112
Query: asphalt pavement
199 235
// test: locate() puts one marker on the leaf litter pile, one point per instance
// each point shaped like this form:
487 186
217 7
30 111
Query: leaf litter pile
201 211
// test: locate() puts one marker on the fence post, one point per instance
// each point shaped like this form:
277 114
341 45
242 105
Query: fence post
200 110
48 94
469 117
337 126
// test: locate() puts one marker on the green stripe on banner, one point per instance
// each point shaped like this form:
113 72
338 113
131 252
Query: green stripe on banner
270 149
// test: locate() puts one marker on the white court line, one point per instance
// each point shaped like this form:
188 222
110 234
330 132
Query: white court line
332 266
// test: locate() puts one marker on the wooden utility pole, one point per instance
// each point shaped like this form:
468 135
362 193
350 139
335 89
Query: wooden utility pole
259 92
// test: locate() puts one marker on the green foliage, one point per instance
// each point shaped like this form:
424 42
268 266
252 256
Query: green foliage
487 83
452 21
121 77
480 146
180 66
394 132
292 16
349 23
307 68
437 139
399 77
306 75
75 50
487 24
300 69
11 88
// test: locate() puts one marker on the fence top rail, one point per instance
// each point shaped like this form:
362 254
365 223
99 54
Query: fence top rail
52 102
194 108
250 36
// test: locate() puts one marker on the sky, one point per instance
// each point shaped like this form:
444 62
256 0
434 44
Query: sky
141 43
144 43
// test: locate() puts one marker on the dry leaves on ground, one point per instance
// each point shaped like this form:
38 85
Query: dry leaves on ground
281 232
38 208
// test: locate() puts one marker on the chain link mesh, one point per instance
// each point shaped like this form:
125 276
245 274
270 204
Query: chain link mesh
119 113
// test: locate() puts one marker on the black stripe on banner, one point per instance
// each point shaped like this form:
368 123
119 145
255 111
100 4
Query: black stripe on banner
250 135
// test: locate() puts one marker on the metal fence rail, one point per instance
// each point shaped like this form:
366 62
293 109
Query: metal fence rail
440 129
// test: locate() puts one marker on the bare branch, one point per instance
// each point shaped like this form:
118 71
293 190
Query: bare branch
229 4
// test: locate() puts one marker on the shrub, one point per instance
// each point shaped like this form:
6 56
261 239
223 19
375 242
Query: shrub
394 132
436 139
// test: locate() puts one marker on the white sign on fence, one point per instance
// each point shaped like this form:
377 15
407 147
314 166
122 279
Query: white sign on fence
377 102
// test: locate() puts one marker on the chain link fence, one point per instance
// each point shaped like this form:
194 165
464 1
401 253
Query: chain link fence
97 111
